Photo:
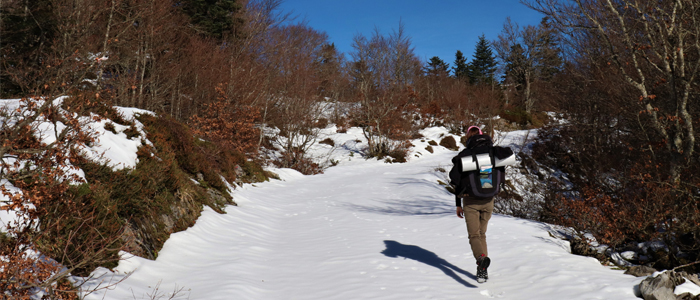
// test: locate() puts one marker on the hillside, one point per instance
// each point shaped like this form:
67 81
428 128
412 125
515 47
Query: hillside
80 185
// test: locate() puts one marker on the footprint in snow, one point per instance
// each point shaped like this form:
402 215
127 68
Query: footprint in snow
489 294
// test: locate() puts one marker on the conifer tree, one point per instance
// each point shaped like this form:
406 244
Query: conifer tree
460 69
328 69
482 69
515 63
214 18
529 56
547 50
437 67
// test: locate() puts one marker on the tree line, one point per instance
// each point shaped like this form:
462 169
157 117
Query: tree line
185 58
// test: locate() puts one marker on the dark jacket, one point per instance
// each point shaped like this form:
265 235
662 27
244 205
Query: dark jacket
458 179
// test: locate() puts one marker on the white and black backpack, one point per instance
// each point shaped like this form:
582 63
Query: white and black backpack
479 170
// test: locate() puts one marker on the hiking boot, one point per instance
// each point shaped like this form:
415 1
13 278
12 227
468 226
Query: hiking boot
482 264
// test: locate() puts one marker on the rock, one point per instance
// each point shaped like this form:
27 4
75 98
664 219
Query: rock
678 278
449 143
640 271
693 278
219 200
239 171
167 222
581 247
131 241
687 296
658 288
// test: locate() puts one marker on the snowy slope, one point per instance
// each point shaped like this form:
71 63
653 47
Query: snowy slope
362 230
112 148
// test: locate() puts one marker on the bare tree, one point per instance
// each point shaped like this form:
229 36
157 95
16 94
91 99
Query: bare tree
655 48
36 171
296 106
384 68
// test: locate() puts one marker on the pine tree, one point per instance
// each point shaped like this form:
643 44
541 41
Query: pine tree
547 51
529 55
460 69
516 66
437 67
328 69
482 69
214 18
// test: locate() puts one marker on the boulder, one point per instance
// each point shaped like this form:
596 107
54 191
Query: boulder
663 285
640 271
658 288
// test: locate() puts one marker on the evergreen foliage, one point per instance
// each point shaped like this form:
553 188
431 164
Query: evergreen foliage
214 18
547 51
328 66
515 62
531 57
538 53
482 69
437 67
460 68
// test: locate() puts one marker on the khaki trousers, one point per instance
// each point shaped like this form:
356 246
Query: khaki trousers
477 215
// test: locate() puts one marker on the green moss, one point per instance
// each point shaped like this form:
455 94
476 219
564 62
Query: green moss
254 172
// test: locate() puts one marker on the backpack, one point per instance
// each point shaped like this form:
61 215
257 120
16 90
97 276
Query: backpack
479 170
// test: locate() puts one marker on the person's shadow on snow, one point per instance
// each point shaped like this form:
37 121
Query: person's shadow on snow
396 249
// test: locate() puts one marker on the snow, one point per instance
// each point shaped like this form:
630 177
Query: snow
362 230
8 217
516 140
115 149
687 287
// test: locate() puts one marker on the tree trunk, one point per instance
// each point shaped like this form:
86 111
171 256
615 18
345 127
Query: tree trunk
100 70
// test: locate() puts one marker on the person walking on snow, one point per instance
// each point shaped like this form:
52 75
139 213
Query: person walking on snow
475 210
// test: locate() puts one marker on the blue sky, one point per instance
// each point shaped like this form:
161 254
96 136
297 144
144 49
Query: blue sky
437 27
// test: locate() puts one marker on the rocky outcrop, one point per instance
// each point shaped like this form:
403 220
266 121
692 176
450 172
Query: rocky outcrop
662 286
657 288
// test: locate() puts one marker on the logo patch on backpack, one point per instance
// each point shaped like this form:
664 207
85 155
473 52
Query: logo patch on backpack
485 183
485 177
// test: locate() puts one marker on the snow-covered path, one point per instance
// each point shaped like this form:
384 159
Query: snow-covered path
362 230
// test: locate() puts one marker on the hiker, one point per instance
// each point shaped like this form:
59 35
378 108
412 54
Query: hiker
475 189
